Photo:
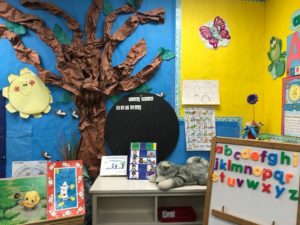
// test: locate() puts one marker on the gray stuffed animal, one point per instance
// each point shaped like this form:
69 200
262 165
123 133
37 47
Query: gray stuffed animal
169 175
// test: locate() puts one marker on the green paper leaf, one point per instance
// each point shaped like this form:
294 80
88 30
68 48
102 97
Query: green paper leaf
142 88
66 97
166 54
107 8
61 35
114 99
15 27
134 3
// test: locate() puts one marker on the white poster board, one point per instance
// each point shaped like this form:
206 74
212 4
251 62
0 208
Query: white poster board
28 168
200 92
252 182
113 165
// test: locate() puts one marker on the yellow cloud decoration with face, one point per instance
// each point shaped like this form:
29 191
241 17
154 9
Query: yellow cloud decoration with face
27 94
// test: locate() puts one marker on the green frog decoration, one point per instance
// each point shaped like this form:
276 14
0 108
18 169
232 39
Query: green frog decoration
277 58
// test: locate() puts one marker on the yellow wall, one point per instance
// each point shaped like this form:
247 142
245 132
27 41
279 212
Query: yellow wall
278 17
239 67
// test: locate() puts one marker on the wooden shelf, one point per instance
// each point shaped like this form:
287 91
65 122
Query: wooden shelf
117 201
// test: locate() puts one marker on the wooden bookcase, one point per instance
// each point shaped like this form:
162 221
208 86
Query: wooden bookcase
117 201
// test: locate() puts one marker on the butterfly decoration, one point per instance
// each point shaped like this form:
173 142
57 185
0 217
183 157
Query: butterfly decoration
215 34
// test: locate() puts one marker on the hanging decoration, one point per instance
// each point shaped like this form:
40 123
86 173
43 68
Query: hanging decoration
215 33
27 94
277 58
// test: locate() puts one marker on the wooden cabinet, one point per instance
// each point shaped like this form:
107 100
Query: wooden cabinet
117 200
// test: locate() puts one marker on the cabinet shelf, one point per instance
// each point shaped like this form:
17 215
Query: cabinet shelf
119 201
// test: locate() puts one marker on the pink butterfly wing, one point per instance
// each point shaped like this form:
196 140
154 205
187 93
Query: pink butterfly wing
205 32
214 42
219 23
224 34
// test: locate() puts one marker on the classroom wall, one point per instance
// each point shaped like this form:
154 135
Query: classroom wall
277 22
239 67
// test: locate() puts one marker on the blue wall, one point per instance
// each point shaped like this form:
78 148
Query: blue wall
26 138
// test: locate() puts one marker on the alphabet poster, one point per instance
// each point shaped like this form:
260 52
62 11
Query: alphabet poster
252 182
65 195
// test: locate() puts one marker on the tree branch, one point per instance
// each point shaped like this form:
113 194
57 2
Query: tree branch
34 23
29 56
125 9
137 52
71 22
136 80
156 15
91 20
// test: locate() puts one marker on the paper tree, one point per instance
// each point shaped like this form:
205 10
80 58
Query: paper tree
85 67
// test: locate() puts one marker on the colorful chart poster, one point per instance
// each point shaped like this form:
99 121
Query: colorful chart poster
23 200
142 160
200 127
65 196
291 106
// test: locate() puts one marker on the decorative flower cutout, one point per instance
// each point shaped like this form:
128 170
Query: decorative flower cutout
252 128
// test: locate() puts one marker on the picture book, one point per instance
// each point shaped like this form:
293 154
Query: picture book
142 160
114 165
22 200
65 197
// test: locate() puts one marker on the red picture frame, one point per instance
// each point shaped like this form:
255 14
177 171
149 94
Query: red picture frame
65 189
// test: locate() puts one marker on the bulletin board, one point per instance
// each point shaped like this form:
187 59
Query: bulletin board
252 182
25 139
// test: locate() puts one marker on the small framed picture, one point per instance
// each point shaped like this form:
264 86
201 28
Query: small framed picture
114 165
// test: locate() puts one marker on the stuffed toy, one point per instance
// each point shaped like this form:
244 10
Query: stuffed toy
169 175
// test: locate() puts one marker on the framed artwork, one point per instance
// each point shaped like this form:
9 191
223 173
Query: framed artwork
65 195
291 106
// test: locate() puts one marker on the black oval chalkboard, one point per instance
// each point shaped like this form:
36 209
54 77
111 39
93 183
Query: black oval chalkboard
142 117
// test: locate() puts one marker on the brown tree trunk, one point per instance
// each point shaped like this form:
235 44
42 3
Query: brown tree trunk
91 108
